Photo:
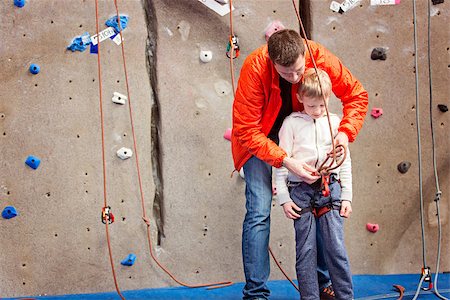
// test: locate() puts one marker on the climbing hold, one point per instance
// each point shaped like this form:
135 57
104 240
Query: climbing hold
34 69
272 28
94 49
274 190
227 134
80 42
403 167
112 22
206 56
33 162
376 112
129 260
241 173
19 3
119 98
443 107
437 1
124 153
372 227
378 53
9 212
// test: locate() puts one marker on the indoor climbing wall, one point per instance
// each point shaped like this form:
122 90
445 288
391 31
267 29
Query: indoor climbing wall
53 240
57 243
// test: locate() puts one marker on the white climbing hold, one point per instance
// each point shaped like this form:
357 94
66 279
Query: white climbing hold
206 56
124 153
119 98
241 173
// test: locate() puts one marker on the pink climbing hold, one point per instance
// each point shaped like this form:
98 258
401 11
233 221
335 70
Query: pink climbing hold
376 112
372 227
273 27
227 134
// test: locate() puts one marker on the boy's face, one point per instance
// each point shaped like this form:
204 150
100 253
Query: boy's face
314 106
293 73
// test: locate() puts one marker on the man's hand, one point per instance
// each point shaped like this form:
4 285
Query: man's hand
346 208
291 210
340 139
300 169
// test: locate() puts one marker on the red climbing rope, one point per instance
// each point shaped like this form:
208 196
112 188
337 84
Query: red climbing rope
105 202
144 214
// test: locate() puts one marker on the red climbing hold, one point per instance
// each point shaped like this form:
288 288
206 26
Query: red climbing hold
227 134
372 227
376 112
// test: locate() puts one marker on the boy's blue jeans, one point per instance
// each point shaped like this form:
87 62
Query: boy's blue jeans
256 229
331 228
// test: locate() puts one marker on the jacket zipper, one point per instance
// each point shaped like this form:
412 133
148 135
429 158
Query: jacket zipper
317 148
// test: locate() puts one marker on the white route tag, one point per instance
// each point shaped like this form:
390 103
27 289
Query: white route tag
221 9
104 34
335 6
349 4
384 2
117 39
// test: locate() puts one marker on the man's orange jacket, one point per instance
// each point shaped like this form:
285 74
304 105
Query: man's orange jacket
258 102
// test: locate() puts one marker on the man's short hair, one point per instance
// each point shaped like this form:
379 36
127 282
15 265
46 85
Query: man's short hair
310 85
285 47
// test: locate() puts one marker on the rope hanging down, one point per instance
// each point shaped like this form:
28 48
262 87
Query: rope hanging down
144 213
105 202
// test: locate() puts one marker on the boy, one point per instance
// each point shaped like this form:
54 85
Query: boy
306 136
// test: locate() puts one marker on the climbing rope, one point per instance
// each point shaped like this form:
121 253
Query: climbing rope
106 217
144 214
323 169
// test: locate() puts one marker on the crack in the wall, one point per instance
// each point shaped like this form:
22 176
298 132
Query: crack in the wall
156 158
304 7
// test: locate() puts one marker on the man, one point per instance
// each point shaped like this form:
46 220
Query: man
265 95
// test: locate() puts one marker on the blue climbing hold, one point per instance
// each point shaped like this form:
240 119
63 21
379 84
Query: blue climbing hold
9 212
129 260
80 43
19 3
34 69
33 162
112 22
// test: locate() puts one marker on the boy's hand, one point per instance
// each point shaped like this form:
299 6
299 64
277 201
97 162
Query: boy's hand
291 210
301 170
340 139
346 208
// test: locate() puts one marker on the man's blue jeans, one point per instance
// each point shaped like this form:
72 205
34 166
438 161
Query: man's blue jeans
256 230
331 227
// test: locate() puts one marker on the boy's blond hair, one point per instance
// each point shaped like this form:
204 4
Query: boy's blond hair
310 85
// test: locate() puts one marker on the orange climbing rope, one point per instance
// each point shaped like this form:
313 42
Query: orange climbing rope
144 214
323 168
105 202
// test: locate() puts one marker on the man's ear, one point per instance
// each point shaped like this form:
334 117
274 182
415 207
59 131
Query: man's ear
299 98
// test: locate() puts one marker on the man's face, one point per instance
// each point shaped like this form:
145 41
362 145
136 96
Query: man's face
293 73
